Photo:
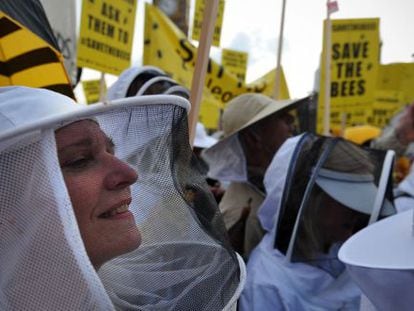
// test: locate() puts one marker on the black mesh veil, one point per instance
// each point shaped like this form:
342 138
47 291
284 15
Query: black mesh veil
184 261
333 189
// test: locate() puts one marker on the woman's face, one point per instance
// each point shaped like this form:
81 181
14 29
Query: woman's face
99 187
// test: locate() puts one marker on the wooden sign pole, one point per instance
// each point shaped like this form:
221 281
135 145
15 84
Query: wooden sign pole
197 84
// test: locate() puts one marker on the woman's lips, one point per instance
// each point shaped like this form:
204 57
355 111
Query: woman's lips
115 213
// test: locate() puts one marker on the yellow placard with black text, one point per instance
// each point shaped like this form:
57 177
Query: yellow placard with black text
168 48
354 66
385 106
198 20
236 62
397 77
106 34
91 89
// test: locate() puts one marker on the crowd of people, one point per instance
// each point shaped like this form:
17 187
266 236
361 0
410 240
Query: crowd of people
109 207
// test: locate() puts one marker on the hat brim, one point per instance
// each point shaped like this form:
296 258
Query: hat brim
58 119
276 106
357 195
380 259
386 244
120 87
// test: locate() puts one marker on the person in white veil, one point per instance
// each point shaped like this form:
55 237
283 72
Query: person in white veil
320 191
74 214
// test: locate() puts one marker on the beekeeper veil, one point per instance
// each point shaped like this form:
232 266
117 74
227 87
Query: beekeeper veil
184 261
332 189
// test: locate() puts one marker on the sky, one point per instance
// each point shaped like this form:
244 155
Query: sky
253 26
302 39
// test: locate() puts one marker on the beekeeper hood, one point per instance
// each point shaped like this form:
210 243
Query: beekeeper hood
145 80
319 191
184 261
131 80
324 176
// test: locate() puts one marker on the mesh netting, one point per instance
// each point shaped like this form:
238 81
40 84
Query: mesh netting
184 261
37 239
329 195
182 232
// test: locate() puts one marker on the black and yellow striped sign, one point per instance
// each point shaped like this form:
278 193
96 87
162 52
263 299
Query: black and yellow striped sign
26 59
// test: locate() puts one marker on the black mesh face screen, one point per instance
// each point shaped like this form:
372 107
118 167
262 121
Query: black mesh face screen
187 174
329 195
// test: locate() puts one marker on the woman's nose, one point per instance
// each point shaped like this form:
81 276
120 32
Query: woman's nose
121 175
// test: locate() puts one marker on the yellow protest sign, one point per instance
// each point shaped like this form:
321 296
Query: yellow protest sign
397 77
106 34
354 65
91 89
26 59
198 19
386 104
235 62
168 48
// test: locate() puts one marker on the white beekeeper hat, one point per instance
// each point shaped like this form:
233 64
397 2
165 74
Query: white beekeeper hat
380 259
44 264
341 186
120 87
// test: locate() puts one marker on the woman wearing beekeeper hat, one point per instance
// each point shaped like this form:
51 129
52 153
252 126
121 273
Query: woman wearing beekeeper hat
79 223
320 191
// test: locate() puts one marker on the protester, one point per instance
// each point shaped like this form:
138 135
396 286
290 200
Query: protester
380 259
93 211
254 127
320 191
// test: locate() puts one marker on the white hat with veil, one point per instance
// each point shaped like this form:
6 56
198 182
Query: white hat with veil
184 262
307 216
380 259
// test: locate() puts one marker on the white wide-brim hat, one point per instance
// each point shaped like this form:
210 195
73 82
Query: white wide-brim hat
341 187
380 259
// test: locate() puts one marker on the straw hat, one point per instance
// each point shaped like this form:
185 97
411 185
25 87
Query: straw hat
249 108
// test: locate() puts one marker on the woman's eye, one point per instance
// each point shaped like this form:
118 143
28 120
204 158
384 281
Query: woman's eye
77 163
